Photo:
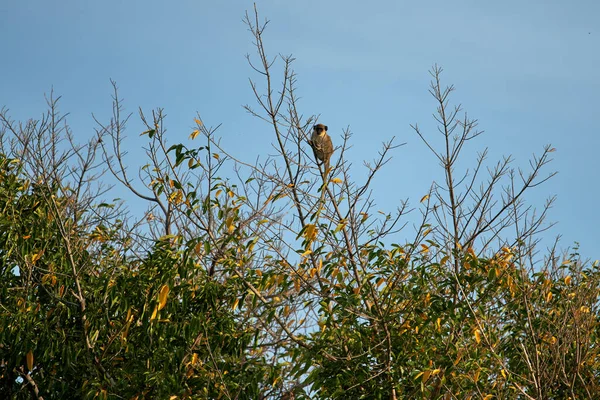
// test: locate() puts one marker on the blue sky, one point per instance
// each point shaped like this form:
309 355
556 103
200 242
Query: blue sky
525 70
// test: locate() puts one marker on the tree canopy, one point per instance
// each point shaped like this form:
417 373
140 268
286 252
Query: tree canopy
277 279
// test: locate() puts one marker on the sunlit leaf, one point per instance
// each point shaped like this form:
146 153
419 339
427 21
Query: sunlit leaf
336 180
235 304
426 375
477 334
36 256
149 132
194 134
307 253
229 224
310 232
424 198
162 296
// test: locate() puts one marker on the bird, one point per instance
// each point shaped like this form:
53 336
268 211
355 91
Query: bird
321 145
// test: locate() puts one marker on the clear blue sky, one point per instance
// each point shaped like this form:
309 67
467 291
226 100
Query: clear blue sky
527 70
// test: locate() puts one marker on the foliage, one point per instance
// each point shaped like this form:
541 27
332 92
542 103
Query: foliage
280 281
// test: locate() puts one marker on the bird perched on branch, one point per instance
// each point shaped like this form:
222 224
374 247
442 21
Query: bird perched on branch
321 145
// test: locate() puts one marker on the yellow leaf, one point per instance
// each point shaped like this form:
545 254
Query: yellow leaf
153 317
584 309
503 373
307 253
340 226
310 232
548 297
26 236
229 224
235 304
426 375
36 256
477 334
380 281
336 180
259 272
30 360
444 260
427 232
568 280
194 134
216 156
162 296
488 397
424 198
424 248
322 325
196 120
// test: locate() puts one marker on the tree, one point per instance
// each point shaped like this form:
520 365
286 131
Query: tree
280 281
